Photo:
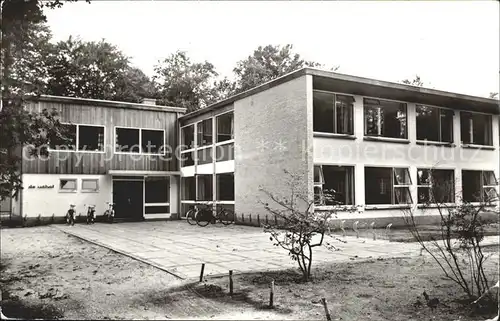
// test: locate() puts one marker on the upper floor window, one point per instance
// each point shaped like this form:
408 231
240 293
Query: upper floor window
187 137
79 138
476 129
333 113
434 124
136 140
387 185
225 127
205 132
385 118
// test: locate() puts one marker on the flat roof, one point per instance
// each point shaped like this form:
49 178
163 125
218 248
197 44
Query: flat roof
329 80
106 103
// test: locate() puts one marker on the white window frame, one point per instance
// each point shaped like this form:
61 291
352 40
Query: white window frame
395 185
77 143
379 127
140 129
335 113
470 130
88 190
486 186
65 190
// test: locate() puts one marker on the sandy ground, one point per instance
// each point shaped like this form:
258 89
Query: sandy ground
47 274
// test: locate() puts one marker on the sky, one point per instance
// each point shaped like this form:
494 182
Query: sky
452 46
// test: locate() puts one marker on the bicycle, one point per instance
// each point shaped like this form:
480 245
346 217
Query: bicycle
195 211
90 214
70 215
109 214
206 216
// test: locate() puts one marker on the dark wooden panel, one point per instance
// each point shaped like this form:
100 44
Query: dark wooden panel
109 117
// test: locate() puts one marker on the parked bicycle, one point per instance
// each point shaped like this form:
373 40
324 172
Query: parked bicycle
90 214
70 215
109 214
203 214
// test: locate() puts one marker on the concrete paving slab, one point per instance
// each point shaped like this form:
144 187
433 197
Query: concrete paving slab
180 248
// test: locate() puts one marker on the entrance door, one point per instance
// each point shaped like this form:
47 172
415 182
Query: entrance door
128 199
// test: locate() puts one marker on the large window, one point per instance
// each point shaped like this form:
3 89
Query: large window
224 152
333 185
385 118
225 187
187 137
127 140
333 113
435 186
204 130
225 127
204 156
476 129
188 192
135 140
479 186
79 137
434 124
152 141
156 190
387 185
205 187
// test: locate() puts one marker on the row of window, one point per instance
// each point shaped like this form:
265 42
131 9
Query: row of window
334 113
384 185
127 140
200 187
71 185
224 125
206 156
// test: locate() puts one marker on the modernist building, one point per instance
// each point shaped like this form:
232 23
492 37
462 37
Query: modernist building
373 142
116 153
379 145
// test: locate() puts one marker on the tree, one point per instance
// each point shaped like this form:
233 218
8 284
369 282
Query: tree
493 95
414 82
24 39
268 63
298 229
97 70
181 82
457 250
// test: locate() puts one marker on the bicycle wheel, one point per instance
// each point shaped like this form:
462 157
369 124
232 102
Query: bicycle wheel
190 217
226 216
203 217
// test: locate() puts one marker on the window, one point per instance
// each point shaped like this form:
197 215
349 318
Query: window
205 187
479 186
90 185
333 185
188 192
68 185
187 137
224 152
127 140
387 185
156 190
204 129
435 185
225 127
187 159
135 140
68 140
434 124
91 138
476 129
333 113
225 187
385 118
152 141
204 156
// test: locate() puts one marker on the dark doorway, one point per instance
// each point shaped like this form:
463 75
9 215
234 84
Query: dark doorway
128 199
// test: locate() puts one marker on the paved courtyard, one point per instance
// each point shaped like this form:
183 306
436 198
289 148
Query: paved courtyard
180 248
